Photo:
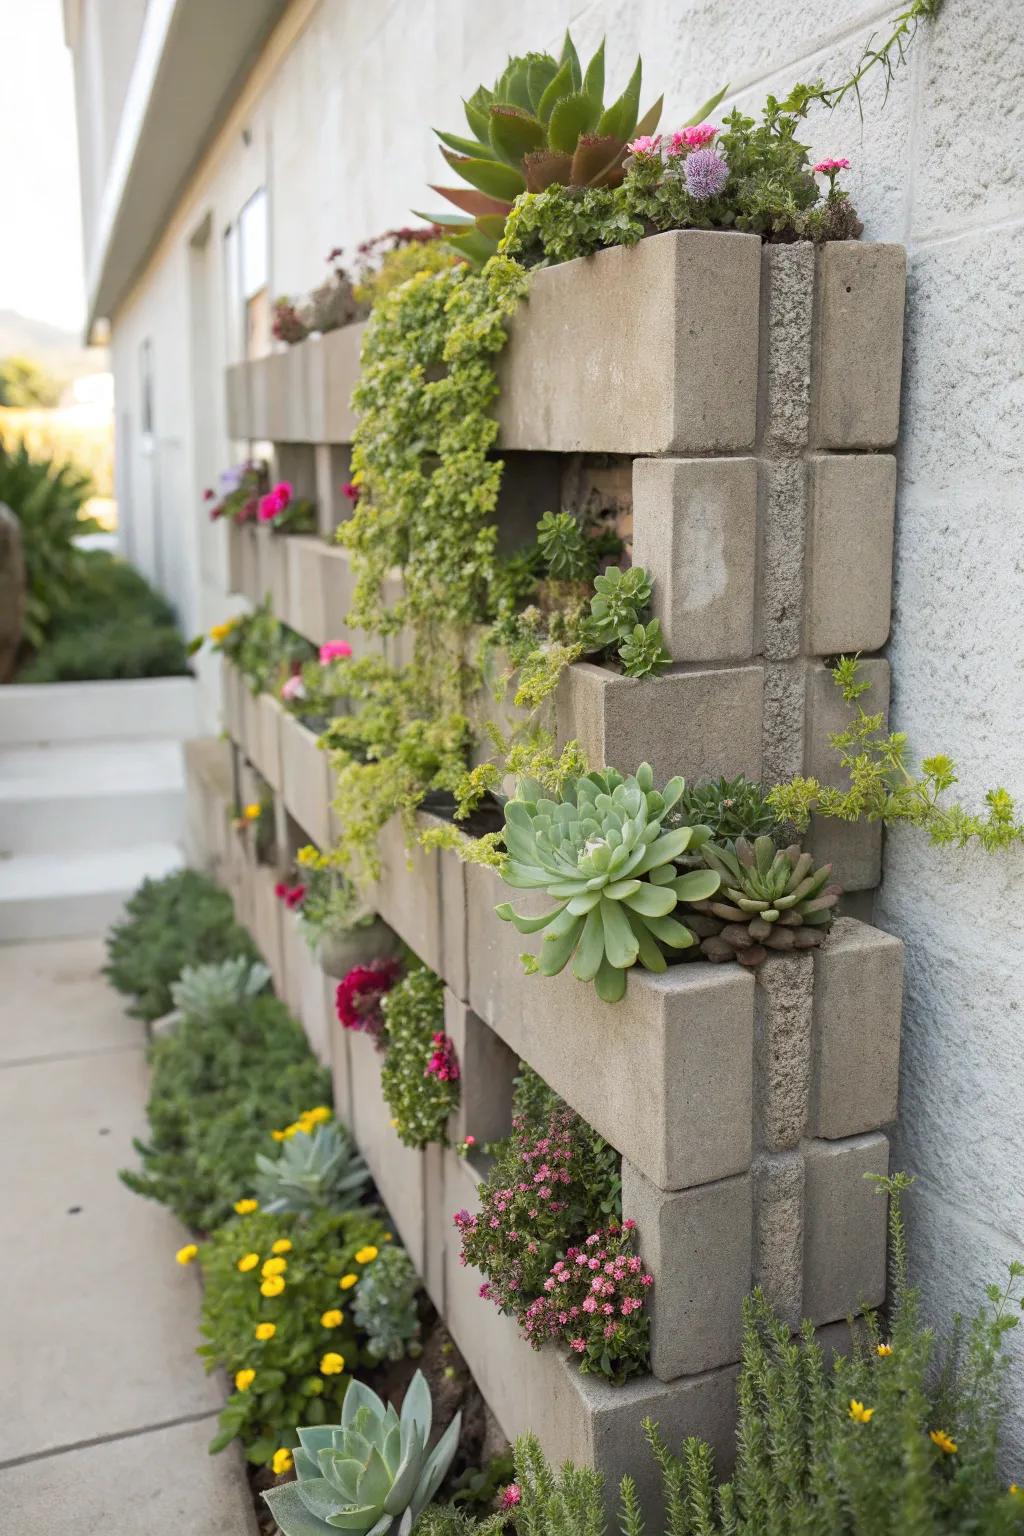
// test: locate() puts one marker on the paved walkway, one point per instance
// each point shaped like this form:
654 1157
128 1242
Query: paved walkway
105 1407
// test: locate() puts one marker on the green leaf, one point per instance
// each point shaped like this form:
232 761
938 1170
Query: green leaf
290 1513
222 1440
619 119
516 84
560 86
260 1451
572 116
476 117
706 110
620 942
470 147
542 70
697 885
556 948
670 932
515 133
572 58
489 176
652 900
591 948
476 246
593 80
609 983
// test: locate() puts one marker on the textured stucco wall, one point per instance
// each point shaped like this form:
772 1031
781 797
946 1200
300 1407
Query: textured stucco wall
341 136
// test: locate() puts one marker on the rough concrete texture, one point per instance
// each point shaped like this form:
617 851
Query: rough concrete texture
305 587
266 753
236 401
487 1067
849 553
782 1050
787 313
397 1169
306 780
134 1486
259 422
697 1244
265 921
669 1069
91 1293
783 544
209 793
844 1227
437 1219
858 997
577 1418
250 566
339 355
778 1246
701 723
695 532
333 472
784 724
235 536
858 344
422 895
341 1059
854 849
676 374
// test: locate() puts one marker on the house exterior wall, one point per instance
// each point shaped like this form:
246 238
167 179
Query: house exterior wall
338 131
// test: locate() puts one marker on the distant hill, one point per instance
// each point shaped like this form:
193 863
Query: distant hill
59 352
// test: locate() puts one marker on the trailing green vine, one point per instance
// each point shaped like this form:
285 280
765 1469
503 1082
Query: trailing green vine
884 787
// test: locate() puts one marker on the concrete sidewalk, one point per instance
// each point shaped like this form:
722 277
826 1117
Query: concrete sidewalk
106 1408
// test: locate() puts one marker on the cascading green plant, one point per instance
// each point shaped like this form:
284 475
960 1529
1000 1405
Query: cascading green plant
370 1474
316 1169
601 851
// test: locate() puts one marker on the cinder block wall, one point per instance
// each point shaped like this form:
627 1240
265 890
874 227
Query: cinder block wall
340 135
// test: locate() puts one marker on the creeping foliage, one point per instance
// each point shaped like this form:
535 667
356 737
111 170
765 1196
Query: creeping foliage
419 1074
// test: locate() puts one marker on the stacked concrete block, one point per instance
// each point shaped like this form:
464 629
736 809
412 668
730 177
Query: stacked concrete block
306 780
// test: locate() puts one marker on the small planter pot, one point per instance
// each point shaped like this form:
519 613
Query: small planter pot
339 953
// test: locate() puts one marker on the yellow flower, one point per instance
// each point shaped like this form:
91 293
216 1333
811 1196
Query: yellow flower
332 1317
244 1380
248 1261
283 1245
274 1267
282 1461
219 631
187 1254
246 1207
332 1364
393 1124
1015 1490
859 1413
265 1331
251 812
307 857
278 1135
318 1114
388 1237
347 1282
272 1286
883 1350
943 1441
367 1255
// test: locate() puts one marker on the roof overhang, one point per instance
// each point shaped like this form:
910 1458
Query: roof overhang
192 59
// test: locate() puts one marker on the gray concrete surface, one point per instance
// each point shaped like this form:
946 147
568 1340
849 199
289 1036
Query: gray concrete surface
107 1409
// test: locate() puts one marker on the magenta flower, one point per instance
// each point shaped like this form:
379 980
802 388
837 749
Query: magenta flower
334 650
706 174
512 1496
351 490
269 507
691 138
829 167
443 1064
646 144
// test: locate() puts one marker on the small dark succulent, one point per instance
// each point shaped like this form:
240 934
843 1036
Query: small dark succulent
770 899
730 807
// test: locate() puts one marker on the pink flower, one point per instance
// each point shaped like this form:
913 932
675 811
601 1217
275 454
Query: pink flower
691 138
350 490
269 507
333 650
829 167
280 890
292 689
646 144
469 1141
295 897
511 1497
209 495
579 1345
284 491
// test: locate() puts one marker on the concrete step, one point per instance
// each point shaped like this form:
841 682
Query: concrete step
93 795
163 707
72 895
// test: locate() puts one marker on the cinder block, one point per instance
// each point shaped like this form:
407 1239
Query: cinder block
488 1069
854 849
339 370
306 779
778 1180
782 1049
305 587
234 533
437 1219
233 692
250 739
781 567
333 470
665 1075
784 725
787 319
247 561
858 343
844 1227
314 1001
265 922
700 723
697 1244
341 1065
858 994
296 463
588 369
695 532
849 553
422 895
236 394
397 1170
208 795
266 744
271 560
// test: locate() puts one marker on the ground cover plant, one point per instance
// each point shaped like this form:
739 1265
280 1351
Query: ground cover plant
218 1088
184 919
276 1318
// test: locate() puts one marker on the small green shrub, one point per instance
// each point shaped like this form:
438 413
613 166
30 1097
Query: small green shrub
275 1319
419 1074
111 625
182 920
219 1087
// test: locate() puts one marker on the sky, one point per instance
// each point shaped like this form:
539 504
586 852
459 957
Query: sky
40 223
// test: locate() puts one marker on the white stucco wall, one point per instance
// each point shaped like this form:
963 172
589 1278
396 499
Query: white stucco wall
341 136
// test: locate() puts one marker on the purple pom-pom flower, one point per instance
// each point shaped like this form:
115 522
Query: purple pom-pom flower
706 174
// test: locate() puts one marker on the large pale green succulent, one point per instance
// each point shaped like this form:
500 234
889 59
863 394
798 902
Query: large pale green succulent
602 853
315 1169
202 990
370 1474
